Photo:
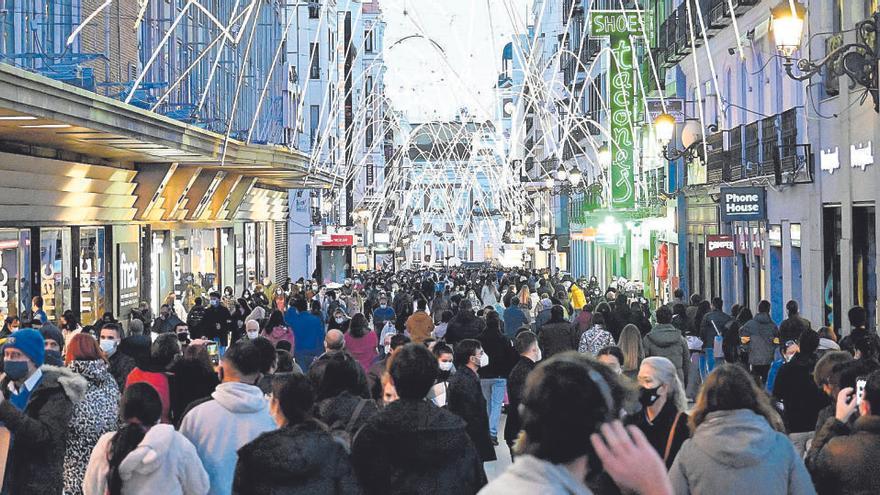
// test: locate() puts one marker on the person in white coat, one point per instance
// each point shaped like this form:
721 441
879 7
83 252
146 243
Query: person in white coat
144 457
235 415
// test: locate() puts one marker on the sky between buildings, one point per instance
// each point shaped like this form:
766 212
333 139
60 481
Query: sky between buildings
443 55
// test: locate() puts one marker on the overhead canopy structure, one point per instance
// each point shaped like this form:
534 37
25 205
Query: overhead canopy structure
40 112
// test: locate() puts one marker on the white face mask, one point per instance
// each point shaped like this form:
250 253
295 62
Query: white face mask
340 320
484 360
108 346
445 365
387 350
253 335
539 356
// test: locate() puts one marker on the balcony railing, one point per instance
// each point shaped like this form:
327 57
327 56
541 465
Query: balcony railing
767 147
674 36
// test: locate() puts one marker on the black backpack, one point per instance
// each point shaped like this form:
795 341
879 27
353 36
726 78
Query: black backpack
343 432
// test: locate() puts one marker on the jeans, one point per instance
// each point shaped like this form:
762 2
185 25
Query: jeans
494 390
707 363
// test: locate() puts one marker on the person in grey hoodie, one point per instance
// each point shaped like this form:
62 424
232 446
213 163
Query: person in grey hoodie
738 444
234 415
761 337
665 340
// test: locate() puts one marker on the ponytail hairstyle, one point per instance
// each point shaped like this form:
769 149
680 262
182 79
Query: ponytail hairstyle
140 409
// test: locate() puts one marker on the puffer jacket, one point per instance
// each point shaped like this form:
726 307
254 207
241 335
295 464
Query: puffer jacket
303 458
36 457
763 339
164 462
578 300
665 340
557 337
94 416
842 458
739 452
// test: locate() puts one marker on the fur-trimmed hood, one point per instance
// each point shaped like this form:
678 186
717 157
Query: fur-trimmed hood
74 385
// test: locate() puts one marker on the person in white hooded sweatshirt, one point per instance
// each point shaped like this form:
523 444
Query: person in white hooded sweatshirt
236 414
144 457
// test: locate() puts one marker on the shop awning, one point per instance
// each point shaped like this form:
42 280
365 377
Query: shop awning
36 111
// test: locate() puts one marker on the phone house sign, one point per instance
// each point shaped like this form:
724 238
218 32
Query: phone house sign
745 204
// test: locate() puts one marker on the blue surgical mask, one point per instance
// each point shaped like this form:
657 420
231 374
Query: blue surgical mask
16 370
215 302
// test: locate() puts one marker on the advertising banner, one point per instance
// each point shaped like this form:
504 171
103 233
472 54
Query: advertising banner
720 246
745 204
128 276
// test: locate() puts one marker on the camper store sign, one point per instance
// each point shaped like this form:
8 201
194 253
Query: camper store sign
620 26
743 204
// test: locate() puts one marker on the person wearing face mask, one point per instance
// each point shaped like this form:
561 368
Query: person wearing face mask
36 405
121 364
10 325
382 314
437 395
338 321
95 414
165 322
795 388
182 332
235 415
54 345
216 323
662 419
465 395
526 345
194 379
252 329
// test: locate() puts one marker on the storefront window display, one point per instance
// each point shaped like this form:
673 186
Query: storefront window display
227 258
250 254
263 247
92 277
204 260
55 271
161 273
15 293
181 266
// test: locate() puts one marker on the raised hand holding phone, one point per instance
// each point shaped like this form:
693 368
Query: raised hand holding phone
846 404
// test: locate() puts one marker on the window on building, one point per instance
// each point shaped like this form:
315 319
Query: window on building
314 9
314 121
368 132
315 70
368 41
368 87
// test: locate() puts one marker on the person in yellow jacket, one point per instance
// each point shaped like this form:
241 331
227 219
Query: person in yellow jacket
577 298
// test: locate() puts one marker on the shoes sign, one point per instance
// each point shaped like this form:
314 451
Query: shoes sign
744 204
720 246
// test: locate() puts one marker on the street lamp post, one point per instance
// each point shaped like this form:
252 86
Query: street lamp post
858 60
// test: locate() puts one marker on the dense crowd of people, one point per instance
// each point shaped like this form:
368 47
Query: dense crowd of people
410 382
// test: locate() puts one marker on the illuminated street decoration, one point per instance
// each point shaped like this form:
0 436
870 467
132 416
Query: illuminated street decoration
620 26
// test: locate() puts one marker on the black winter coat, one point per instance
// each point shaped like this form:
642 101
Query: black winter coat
843 459
501 354
414 447
801 398
554 338
36 457
337 412
302 458
465 398
464 325
121 365
190 381
215 316
516 384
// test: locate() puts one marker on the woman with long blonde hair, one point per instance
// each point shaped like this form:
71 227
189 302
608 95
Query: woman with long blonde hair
630 343
738 444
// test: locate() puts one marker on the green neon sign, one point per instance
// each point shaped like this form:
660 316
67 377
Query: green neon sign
620 26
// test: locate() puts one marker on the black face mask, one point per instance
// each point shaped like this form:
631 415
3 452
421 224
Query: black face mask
648 396
183 336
